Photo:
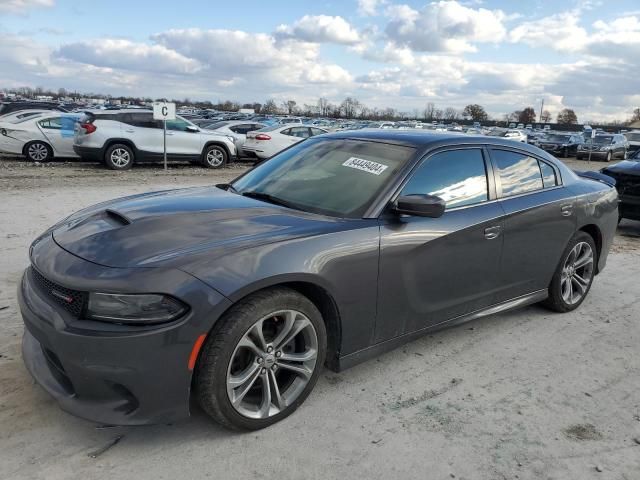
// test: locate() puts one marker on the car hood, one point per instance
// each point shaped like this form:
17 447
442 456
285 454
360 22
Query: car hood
169 227
626 167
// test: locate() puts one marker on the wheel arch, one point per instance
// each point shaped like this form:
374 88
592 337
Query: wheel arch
31 142
594 231
125 141
319 294
218 144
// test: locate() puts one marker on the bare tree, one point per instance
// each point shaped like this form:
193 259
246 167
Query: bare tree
429 111
323 106
270 107
450 113
350 107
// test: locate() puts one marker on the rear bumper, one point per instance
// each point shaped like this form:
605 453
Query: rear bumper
90 154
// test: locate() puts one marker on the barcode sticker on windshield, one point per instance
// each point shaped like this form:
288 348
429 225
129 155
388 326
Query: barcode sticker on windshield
365 165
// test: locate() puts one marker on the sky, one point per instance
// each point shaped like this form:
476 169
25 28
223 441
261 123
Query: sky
504 55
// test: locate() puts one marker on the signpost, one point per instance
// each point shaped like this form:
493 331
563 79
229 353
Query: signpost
164 111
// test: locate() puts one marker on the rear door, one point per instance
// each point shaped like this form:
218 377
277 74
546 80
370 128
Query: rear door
61 139
539 221
144 132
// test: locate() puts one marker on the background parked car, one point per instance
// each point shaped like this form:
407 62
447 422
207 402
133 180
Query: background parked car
268 141
8 107
19 115
237 129
604 147
627 176
119 138
633 138
40 137
562 144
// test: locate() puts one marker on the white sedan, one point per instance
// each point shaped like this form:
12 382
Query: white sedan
265 143
40 138
237 129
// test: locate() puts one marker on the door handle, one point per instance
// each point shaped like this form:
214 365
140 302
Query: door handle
492 232
169 134
566 210
130 130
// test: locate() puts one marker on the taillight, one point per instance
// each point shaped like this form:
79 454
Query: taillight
263 136
89 127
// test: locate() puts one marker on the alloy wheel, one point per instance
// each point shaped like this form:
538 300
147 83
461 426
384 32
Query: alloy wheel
577 273
215 157
38 152
120 157
272 364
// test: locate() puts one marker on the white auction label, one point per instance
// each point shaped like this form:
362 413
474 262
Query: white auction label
365 165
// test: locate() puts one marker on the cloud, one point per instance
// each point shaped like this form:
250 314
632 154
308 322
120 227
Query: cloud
128 55
560 31
21 7
369 8
444 26
320 29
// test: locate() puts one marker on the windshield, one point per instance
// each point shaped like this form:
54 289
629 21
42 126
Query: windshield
215 125
633 136
603 140
558 138
339 178
497 133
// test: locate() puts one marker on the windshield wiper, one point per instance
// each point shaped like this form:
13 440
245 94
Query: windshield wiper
265 197
228 187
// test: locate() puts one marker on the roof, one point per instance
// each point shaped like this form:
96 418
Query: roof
423 139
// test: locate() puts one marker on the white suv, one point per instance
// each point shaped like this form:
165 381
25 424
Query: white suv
120 138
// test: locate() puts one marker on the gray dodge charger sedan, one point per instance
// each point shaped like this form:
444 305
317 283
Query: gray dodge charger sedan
331 252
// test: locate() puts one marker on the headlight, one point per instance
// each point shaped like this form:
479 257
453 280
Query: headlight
603 149
134 309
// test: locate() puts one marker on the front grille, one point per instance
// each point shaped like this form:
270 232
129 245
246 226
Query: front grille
72 300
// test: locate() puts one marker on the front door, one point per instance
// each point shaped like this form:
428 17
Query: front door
435 269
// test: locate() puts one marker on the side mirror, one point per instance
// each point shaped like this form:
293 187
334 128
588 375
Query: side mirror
192 129
419 205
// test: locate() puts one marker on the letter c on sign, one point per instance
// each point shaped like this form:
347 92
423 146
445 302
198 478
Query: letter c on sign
165 111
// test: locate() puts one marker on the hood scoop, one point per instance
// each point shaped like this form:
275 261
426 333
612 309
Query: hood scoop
118 217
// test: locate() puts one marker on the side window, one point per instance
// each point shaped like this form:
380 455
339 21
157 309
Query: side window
287 131
519 173
51 123
459 177
177 125
549 178
300 132
316 131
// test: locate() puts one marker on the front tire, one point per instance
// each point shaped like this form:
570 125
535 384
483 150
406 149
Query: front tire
609 156
214 156
574 276
119 157
262 360
38 152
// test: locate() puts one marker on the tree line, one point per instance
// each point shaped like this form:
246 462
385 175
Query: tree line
350 108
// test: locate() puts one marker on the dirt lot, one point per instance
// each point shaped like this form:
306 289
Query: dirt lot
527 394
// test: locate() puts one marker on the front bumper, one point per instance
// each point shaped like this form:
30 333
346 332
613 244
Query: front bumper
110 373
595 154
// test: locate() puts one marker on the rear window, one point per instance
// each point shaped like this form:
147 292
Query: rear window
216 125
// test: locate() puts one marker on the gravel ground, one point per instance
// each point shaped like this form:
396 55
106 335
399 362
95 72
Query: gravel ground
527 394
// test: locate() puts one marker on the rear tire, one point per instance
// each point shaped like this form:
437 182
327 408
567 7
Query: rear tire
572 281
119 157
38 152
246 340
214 156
